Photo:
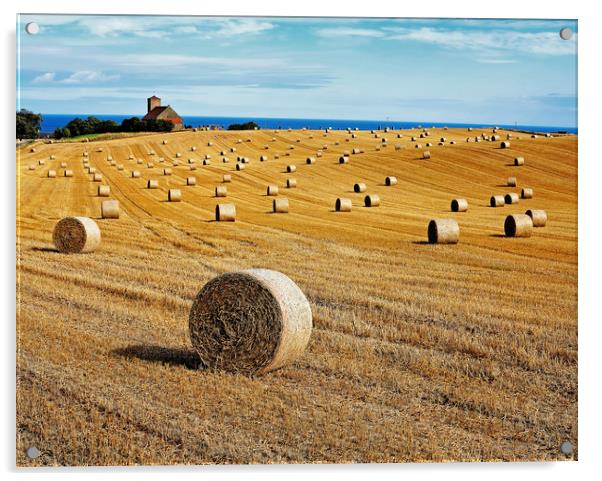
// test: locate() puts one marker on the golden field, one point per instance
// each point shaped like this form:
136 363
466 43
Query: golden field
419 352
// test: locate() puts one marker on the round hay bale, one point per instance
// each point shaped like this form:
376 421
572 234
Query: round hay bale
495 138
310 160
426 154
519 161
113 163
76 235
139 161
191 161
192 167
399 136
232 149
178 155
208 156
52 157
511 198
193 149
97 177
497 201
272 190
355 150
135 174
319 153
32 150
63 165
221 191
263 158
240 166
533 136
91 170
442 139
511 182
359 187
52 173
227 178
505 144
130 157
174 195
390 180
343 160
343 205
166 171
206 162
397 147
250 322
120 167
209 144
175 163
518 225
459 205
418 146
190 180
109 209
245 160
152 184
291 168
443 231
225 212
165 142
291 183
539 217
470 129
68 173
280 205
225 160
526 193
276 156
452 142
41 162
372 200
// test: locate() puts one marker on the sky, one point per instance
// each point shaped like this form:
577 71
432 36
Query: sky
438 70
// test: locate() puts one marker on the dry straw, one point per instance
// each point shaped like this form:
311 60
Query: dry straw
459 205
221 191
539 217
390 180
519 161
52 173
68 173
497 201
109 209
511 198
291 183
518 225
225 212
104 191
372 200
76 235
526 193
227 178
250 322
272 190
174 195
152 184
511 182
190 180
280 205
343 205
443 231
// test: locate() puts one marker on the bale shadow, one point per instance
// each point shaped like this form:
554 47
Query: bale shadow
498 235
422 243
165 355
45 249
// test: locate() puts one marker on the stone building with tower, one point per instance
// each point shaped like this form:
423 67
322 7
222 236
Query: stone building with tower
155 111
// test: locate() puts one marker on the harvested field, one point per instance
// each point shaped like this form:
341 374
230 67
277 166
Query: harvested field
419 352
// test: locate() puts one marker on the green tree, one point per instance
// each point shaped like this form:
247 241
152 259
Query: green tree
28 124
245 126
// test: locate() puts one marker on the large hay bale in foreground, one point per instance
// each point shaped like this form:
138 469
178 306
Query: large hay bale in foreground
104 191
518 225
76 235
174 195
497 201
443 231
343 205
372 200
250 322
109 209
526 193
539 217
280 206
511 198
459 205
390 180
225 212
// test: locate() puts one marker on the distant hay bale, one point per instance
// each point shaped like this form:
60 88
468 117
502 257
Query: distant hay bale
272 190
511 198
175 163
193 149
74 235
443 231
161 159
343 160
511 182
442 139
192 167
343 205
232 149
97 177
139 161
221 191
428 144
130 157
497 201
174 195
52 173
310 160
526 193
346 153
104 191
470 129
178 155
280 205
291 168
505 144
354 136
519 161
325 147
209 144
52 157
263 158
41 162
63 165
291 183
99 149
245 160
276 156
240 166
359 187
539 217
533 136
109 209
68 173
273 139
250 322
207 156
418 146
548 135
166 171
518 225
206 162
399 136
190 180
120 167
152 152
495 138
191 161
150 165
426 154
319 153
390 180
135 174
356 150
152 184
372 200
165 142
452 142
32 150
113 163
377 148
227 178
397 147
459 205
225 160
91 170
225 212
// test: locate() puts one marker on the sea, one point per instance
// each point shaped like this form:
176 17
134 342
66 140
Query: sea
50 122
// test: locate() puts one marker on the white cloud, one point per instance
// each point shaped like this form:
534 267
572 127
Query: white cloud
47 77
349 32
88 76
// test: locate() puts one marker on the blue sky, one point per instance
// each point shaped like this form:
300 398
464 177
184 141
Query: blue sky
439 70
